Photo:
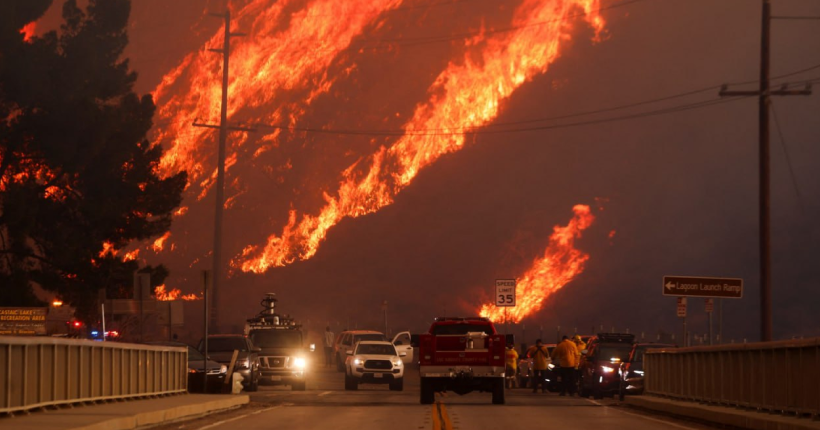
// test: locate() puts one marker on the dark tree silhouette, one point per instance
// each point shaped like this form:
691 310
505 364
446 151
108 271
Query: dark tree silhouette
76 170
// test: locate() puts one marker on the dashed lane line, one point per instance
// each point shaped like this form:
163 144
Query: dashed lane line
668 423
237 418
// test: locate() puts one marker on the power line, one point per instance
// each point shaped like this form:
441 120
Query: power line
788 157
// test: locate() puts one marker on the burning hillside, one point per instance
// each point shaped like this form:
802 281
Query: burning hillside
329 147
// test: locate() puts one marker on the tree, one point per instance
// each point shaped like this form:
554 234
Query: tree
76 170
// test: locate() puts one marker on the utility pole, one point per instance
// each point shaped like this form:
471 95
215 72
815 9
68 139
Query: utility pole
764 209
220 170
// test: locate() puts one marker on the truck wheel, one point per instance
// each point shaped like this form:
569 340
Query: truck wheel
298 386
397 385
351 384
498 392
428 396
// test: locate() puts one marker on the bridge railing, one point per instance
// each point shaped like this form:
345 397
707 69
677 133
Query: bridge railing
782 376
41 371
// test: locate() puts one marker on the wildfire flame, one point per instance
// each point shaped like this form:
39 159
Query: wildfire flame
29 31
174 294
159 244
465 96
270 63
560 264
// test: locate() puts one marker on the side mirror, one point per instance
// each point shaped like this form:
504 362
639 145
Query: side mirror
312 347
402 354
349 352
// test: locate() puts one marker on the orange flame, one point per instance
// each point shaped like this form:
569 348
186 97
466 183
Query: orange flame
560 264
465 96
263 67
159 244
174 294
29 31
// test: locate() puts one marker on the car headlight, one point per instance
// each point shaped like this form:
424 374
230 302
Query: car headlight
299 363
223 369
607 369
551 366
638 372
357 362
396 361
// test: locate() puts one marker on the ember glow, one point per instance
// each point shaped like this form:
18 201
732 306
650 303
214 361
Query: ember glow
559 265
174 294
159 244
465 96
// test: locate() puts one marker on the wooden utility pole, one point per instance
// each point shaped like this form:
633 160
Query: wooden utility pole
764 208
220 169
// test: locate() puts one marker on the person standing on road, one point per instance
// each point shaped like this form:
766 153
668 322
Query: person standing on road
540 360
579 346
511 371
329 338
567 355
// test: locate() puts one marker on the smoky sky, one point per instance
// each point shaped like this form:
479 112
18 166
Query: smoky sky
680 190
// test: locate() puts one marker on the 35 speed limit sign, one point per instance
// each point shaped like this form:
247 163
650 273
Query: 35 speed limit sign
505 292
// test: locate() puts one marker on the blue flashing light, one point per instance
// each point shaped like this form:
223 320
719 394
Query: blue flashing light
95 333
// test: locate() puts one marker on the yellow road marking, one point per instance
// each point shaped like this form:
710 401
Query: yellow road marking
448 425
436 418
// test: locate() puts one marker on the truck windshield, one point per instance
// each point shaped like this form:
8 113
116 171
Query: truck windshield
371 336
277 338
444 329
369 348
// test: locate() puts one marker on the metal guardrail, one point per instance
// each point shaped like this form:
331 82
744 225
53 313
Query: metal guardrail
782 376
41 371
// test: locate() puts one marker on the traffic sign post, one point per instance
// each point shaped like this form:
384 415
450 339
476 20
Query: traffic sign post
710 306
682 314
690 286
505 297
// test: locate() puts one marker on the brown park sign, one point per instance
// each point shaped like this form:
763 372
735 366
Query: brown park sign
23 321
688 286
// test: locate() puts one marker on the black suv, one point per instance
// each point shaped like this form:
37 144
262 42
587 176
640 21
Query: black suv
221 348
601 361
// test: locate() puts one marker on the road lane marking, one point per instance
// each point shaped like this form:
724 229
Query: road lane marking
436 417
325 393
669 423
448 425
237 418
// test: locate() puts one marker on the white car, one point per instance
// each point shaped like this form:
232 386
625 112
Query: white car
374 362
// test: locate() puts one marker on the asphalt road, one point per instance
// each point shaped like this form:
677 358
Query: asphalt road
326 405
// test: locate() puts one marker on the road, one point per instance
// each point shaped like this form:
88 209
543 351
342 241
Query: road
326 405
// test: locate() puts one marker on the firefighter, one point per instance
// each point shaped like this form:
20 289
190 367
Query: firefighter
511 371
567 355
580 346
540 360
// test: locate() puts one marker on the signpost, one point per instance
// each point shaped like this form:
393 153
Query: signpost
709 288
23 321
505 295
689 286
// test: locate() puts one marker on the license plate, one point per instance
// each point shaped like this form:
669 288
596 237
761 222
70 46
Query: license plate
275 378
377 375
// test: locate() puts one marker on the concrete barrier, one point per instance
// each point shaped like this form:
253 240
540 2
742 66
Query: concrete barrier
782 376
42 371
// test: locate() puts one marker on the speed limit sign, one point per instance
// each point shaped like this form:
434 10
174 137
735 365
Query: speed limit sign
505 292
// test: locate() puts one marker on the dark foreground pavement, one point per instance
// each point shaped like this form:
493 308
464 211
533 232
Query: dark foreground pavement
125 415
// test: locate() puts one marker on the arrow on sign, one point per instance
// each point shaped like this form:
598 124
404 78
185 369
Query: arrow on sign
670 285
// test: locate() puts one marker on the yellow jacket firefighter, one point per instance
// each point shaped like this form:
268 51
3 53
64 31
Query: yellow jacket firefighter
511 356
566 353
540 356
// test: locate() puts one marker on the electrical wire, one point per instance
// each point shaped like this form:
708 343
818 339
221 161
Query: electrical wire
783 145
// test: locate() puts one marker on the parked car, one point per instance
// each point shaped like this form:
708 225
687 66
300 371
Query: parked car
631 372
374 362
196 364
347 339
221 348
600 363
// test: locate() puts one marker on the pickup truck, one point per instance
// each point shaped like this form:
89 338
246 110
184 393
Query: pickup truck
461 355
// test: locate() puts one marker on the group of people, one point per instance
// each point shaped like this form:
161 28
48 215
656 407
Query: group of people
566 357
